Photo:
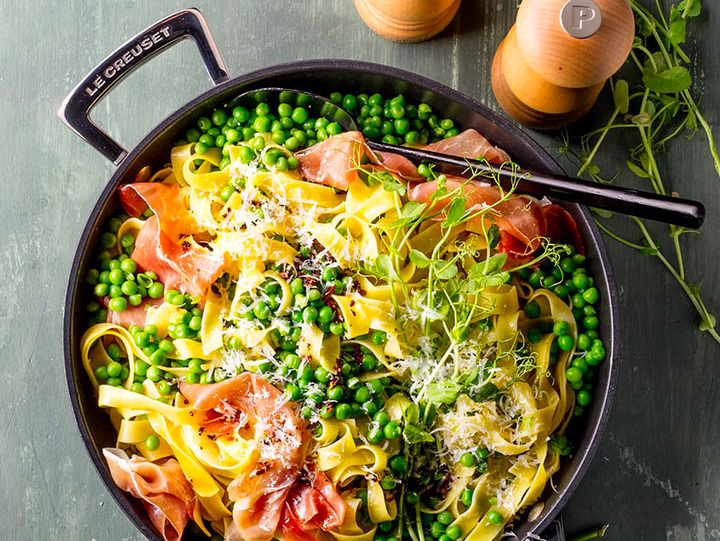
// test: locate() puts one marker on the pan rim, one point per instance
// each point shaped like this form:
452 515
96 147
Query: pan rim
582 459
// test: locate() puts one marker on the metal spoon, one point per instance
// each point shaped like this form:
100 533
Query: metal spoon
661 208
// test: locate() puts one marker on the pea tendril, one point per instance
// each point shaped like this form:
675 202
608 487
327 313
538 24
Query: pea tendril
661 111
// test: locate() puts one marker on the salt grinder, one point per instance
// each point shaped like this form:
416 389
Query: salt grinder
550 68
407 21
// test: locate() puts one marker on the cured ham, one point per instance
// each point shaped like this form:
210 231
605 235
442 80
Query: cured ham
184 266
334 162
470 144
519 218
165 202
313 503
561 227
162 487
132 315
256 409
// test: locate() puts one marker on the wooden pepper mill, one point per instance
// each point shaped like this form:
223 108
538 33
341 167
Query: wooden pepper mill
550 68
407 21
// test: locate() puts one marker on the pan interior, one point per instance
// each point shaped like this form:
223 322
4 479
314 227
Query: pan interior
323 77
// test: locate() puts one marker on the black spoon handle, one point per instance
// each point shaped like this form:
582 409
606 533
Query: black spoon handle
661 208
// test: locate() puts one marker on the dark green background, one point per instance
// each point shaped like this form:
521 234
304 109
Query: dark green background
656 474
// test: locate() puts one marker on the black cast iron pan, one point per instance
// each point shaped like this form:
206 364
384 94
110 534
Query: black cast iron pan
322 77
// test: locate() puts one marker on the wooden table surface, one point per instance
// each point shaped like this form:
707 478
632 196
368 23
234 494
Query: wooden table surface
657 473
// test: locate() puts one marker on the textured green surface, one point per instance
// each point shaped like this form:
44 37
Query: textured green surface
657 472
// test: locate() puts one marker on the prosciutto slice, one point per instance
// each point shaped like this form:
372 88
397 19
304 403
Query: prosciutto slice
165 202
182 266
334 162
256 409
312 503
162 487
519 217
561 227
469 144
132 315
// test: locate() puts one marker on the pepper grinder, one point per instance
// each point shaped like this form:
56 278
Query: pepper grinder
407 21
550 68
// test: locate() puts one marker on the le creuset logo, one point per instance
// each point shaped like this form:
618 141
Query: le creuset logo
128 57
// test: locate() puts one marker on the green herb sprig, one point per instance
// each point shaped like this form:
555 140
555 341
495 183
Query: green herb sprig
661 110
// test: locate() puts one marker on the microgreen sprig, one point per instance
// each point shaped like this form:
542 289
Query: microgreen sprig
659 112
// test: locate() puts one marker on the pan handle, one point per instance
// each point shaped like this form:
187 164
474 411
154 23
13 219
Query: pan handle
75 109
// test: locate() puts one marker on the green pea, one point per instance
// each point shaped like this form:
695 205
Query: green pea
349 102
574 374
327 411
466 498
412 137
158 358
565 342
108 240
580 363
468 460
375 434
534 335
583 342
536 278
128 265
297 287
369 362
343 411
322 375
580 281
595 356
437 529
241 115
195 366
300 115
361 395
164 387
583 398
192 378
129 288
117 277
92 277
183 331
118 304
381 418
391 430
494 517
152 442
101 373
293 392
591 322
446 517
369 408
561 328
113 369
141 367
378 337
101 289
591 295
326 314
561 291
337 329
336 393
285 109
115 291
532 310
219 117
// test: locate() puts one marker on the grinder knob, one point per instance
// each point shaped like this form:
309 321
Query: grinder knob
553 63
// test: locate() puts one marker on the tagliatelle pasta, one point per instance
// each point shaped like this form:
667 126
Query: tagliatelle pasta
326 346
